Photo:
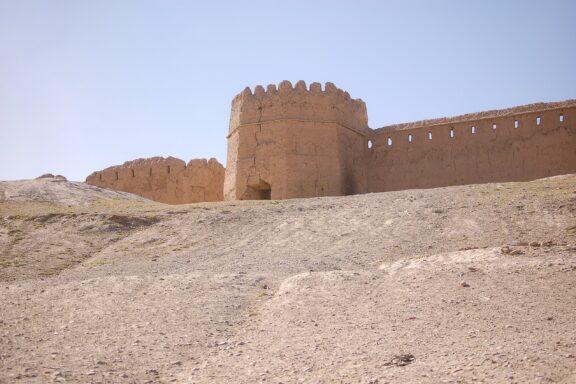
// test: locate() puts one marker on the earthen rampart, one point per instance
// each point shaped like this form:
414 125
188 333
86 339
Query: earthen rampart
168 180
298 141
290 142
516 144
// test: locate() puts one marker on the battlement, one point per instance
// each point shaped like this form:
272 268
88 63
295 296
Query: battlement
298 103
299 141
293 141
520 111
168 180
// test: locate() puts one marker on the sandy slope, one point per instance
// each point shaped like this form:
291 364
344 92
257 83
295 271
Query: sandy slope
400 287
58 190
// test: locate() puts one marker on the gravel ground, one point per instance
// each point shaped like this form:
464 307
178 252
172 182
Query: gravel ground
459 284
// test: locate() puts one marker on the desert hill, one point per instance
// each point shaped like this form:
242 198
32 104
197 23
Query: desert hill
460 284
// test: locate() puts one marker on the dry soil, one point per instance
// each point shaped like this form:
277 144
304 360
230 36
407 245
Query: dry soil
450 285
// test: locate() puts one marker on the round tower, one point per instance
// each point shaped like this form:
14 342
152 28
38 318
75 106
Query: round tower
290 142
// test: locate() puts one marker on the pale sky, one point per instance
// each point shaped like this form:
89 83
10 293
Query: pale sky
89 84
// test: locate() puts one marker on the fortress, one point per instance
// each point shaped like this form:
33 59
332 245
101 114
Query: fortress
294 141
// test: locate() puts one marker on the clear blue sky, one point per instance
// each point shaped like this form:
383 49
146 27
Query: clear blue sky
86 84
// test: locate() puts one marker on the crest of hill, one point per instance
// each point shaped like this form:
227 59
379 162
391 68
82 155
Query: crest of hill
535 107
59 191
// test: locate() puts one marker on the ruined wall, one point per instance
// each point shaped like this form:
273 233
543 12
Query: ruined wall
167 180
298 142
517 144
291 142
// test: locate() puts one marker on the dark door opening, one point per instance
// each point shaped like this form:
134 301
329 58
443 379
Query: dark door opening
261 191
265 194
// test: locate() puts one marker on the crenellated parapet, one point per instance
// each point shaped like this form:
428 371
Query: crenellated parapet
168 180
300 141
295 141
298 103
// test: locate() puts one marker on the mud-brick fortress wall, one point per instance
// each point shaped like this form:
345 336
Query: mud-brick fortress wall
168 180
517 144
290 142
298 141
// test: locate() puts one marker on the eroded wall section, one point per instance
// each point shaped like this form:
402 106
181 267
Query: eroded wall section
517 144
289 142
167 180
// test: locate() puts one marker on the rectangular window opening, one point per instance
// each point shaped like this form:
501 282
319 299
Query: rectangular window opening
516 123
451 133
410 138
429 135
473 129
561 118
538 120
493 125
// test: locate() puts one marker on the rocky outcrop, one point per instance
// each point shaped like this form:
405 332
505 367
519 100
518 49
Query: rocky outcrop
51 176
167 180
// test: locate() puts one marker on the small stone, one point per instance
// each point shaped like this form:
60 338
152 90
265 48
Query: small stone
402 360
516 252
90 373
152 372
534 243
464 284
505 250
